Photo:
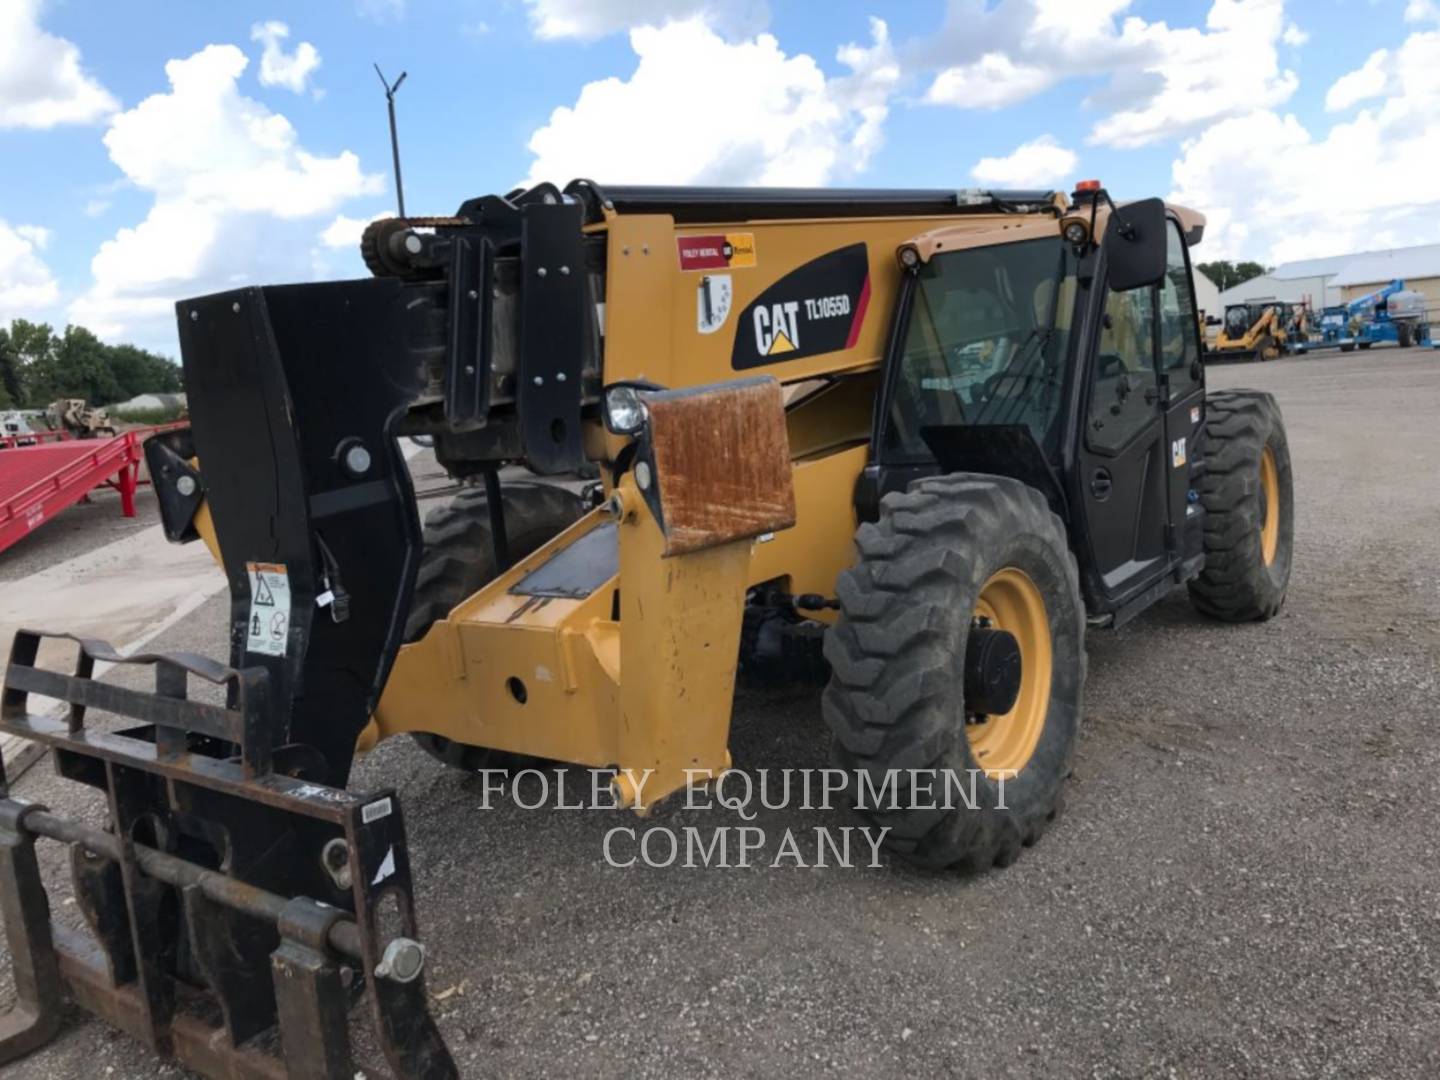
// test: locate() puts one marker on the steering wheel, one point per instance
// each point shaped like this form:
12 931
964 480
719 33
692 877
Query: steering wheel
969 359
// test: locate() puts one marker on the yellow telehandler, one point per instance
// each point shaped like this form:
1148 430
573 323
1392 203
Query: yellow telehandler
922 440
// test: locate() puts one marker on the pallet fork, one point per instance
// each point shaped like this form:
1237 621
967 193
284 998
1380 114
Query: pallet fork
133 884
241 900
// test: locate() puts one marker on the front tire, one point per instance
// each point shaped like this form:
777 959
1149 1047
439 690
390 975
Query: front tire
1248 494
947 554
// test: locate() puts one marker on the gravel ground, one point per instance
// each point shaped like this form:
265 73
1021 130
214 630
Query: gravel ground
1244 881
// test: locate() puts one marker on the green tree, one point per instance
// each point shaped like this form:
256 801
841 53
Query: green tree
12 390
32 341
30 344
1226 275
140 372
37 366
78 366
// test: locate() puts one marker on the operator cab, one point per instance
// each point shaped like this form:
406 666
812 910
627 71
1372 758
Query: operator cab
1239 318
1020 352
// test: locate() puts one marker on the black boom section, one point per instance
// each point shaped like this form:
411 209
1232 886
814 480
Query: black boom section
554 320
293 392
711 204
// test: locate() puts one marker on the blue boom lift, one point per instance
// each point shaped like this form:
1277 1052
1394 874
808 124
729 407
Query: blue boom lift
1392 314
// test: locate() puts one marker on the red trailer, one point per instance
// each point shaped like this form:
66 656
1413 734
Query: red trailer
40 480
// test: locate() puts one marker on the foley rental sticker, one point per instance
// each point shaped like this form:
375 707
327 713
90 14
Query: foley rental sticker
268 630
718 251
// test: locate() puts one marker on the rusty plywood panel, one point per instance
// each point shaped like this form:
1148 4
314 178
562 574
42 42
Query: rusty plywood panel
722 463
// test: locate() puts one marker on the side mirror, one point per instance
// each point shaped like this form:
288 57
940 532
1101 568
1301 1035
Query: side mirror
1135 245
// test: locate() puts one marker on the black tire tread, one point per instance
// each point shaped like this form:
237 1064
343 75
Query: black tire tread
893 692
1235 585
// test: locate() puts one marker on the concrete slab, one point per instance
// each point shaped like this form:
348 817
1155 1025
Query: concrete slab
125 593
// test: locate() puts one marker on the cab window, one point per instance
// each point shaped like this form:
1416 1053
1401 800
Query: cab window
986 343
1124 385
1179 330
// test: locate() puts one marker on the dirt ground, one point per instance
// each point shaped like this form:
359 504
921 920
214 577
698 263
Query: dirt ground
1244 881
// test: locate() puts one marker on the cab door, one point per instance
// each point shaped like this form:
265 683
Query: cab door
1182 388
1123 457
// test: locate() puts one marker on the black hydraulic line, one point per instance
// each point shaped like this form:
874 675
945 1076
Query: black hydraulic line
344 935
495 504
697 204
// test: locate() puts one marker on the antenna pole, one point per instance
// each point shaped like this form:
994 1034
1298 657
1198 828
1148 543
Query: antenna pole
394 135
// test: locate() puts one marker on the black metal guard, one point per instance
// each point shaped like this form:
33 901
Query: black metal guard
294 394
179 487
554 319
210 839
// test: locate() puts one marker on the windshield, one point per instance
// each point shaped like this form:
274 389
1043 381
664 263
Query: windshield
986 342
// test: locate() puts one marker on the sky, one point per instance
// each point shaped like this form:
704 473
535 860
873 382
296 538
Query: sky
153 150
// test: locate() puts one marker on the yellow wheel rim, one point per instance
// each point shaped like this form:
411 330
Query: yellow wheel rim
1002 745
1270 522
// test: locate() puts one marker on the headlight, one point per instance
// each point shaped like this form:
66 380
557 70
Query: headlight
1076 232
625 412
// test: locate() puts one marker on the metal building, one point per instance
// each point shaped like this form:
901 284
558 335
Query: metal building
1337 279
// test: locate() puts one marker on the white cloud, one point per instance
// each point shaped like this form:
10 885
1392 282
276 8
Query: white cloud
1294 36
1041 162
1162 81
279 68
768 119
992 82
233 189
1363 83
1417 11
1229 68
37 235
590 19
41 81
26 284
1368 182
344 232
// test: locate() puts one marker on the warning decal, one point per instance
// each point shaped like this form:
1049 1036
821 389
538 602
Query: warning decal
712 302
716 252
818 307
268 630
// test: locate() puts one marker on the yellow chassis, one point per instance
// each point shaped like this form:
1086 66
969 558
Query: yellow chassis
679 626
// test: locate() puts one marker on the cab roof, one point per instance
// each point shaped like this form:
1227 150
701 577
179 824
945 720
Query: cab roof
1009 228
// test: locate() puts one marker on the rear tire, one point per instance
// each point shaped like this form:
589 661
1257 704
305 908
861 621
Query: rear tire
1248 495
459 560
896 696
